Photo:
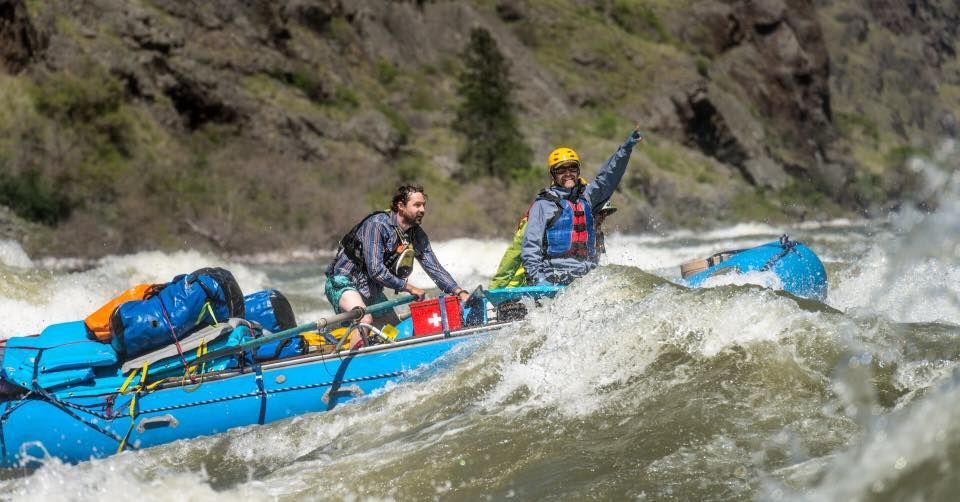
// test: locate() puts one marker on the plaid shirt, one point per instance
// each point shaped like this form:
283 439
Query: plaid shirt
379 235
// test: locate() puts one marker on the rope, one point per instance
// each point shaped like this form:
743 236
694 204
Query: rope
59 404
173 332
256 393
787 246
190 372
134 410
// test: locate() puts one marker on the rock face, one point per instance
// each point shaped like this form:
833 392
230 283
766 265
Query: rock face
14 228
764 103
900 54
19 40
277 123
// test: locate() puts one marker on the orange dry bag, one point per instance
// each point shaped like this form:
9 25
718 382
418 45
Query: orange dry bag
99 321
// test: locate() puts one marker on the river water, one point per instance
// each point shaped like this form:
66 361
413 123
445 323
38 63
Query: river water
624 387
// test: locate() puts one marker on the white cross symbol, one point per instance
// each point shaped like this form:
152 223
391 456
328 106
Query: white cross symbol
434 320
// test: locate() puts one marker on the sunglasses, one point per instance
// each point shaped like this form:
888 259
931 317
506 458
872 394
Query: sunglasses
566 169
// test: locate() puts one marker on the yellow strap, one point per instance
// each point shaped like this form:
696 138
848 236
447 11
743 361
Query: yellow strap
207 308
203 311
123 443
123 388
133 402
135 390
140 385
201 350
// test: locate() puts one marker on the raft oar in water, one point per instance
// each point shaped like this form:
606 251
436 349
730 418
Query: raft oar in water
312 326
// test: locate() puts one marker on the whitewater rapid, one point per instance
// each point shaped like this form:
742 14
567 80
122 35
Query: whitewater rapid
626 386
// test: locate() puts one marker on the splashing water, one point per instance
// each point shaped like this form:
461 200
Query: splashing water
911 273
624 386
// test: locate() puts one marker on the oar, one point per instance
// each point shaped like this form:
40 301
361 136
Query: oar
313 326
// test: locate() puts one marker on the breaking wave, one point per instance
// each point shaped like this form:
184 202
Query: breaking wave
624 386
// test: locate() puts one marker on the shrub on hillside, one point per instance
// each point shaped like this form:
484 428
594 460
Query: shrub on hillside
494 144
33 198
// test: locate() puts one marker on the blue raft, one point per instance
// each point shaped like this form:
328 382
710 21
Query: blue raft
77 410
79 401
798 269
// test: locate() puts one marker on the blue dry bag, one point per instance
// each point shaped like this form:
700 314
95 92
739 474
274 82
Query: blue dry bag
205 297
273 312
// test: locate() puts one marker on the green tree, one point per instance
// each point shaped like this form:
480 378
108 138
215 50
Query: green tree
495 147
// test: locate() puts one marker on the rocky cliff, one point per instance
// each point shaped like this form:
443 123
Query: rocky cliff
247 126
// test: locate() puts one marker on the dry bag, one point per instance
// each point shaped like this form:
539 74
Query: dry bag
273 312
99 321
205 297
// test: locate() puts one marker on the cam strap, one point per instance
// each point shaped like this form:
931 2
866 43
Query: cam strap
135 391
787 247
189 373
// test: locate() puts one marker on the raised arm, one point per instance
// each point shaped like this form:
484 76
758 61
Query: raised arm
607 180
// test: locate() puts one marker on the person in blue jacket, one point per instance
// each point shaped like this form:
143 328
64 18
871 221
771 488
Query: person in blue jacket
559 243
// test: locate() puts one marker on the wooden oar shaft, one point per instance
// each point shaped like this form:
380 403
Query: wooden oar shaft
312 326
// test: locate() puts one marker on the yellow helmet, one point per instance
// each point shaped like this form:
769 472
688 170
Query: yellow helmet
561 155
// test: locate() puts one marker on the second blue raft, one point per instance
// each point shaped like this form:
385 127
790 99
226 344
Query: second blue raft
799 270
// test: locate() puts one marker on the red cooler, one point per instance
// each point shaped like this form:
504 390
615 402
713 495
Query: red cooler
427 319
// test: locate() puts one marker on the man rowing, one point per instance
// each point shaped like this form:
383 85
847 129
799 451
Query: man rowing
379 253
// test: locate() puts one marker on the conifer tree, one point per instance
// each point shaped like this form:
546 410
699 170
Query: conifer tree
494 147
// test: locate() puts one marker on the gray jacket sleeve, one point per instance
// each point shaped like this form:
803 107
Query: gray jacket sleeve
532 253
607 180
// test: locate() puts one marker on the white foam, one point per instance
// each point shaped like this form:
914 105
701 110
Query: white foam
766 279
904 289
469 261
913 272
603 331
896 445
124 474
74 295
13 255
285 256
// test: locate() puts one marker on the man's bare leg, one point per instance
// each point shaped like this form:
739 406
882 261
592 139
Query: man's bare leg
350 300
